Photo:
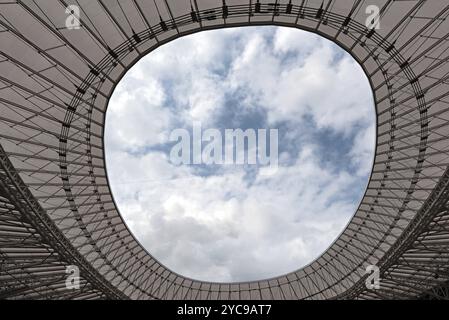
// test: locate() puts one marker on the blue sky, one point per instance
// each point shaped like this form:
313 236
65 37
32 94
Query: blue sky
230 222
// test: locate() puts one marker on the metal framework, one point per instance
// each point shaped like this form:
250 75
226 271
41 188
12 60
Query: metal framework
56 207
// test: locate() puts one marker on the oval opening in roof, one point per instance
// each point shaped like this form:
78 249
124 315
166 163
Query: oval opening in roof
240 154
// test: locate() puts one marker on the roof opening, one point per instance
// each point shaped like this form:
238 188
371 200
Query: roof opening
240 154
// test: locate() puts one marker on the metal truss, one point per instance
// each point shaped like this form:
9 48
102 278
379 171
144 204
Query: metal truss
55 202
34 253
436 293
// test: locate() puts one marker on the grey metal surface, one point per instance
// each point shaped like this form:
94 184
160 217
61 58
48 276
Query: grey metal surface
55 85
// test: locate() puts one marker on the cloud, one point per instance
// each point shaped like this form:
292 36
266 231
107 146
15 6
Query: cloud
311 82
233 223
138 114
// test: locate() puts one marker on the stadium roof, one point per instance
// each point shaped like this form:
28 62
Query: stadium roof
55 201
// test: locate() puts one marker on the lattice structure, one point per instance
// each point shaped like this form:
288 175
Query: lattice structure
55 202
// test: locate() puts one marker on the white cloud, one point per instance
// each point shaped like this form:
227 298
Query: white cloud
222 227
290 40
138 114
312 83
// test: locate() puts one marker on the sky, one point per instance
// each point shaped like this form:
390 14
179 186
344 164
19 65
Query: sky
231 222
